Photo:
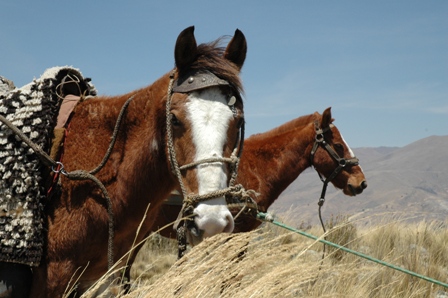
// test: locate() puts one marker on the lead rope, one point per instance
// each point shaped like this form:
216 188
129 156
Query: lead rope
81 174
180 229
320 203
342 162
44 157
319 140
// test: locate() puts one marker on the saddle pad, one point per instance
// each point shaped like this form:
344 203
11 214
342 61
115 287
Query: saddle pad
33 109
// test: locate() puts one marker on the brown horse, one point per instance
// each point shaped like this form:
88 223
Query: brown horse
189 115
273 160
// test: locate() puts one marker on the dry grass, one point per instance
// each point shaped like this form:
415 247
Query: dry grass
272 262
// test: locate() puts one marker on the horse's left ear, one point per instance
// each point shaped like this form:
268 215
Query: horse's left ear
326 118
236 49
185 50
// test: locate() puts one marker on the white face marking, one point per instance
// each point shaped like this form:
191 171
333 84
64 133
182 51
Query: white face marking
210 117
352 154
348 147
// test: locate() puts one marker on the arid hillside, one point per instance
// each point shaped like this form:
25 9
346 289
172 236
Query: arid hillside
409 182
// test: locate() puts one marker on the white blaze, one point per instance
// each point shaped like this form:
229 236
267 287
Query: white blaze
210 117
348 147
352 154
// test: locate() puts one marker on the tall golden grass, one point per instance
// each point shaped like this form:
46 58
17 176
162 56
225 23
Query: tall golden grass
273 262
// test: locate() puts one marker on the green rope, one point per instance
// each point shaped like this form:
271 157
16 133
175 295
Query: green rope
268 218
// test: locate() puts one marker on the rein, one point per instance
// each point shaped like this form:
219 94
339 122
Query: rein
342 163
57 167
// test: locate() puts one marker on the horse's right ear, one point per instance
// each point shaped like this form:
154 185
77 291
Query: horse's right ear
185 49
236 49
326 118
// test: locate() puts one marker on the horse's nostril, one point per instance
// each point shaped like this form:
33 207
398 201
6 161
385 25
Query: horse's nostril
364 184
230 224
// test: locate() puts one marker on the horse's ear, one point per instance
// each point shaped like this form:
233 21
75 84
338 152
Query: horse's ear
326 118
236 49
185 49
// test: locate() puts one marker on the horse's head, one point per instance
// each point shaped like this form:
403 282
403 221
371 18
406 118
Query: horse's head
204 119
332 157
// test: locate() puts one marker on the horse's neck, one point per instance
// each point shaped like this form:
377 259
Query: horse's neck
137 160
144 149
273 160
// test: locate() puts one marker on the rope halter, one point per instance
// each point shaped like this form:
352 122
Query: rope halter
189 82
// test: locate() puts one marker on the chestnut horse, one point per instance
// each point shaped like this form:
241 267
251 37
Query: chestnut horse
273 160
189 115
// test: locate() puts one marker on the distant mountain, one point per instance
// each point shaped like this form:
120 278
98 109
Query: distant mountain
408 183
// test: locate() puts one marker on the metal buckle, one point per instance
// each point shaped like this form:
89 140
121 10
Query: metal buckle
60 170
320 138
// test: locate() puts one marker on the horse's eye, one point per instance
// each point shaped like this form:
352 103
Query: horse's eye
174 121
339 147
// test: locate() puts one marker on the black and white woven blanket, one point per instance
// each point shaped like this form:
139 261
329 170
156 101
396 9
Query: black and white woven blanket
33 109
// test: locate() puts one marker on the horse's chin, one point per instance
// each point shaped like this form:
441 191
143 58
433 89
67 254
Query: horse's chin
351 191
194 235
348 191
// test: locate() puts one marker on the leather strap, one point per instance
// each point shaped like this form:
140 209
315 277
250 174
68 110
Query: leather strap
197 80
67 106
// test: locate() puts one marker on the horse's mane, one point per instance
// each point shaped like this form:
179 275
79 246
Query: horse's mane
288 126
210 56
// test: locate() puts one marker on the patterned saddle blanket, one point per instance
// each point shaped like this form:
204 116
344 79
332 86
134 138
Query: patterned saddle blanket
33 109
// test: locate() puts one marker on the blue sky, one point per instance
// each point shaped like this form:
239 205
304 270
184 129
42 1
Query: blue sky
381 65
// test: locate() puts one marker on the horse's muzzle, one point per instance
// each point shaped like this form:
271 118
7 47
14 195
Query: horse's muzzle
356 190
